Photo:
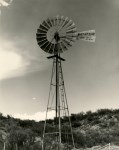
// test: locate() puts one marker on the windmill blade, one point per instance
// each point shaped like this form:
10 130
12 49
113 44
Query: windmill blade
89 35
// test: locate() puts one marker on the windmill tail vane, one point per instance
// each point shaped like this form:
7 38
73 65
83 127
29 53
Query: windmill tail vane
89 35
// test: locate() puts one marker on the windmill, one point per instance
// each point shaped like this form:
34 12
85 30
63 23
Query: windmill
54 36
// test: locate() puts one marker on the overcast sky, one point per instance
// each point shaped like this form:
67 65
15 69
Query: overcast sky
91 70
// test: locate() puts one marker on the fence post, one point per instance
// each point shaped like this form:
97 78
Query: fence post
109 146
4 146
16 147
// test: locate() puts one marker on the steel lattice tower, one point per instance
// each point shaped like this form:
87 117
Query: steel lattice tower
57 101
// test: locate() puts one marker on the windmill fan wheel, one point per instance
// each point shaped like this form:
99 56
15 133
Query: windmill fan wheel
55 35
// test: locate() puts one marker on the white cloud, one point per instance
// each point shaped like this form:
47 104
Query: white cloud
5 3
34 98
15 61
38 116
11 63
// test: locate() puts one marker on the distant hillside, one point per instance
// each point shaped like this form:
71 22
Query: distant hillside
89 129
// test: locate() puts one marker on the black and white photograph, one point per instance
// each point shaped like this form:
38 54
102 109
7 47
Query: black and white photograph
59 74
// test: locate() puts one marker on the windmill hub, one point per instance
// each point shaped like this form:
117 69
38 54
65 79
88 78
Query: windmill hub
56 37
